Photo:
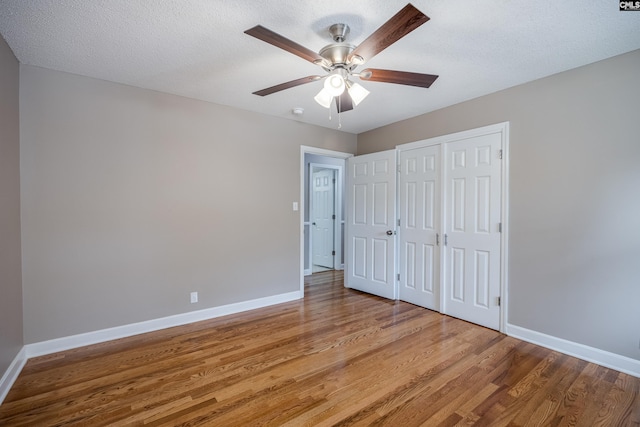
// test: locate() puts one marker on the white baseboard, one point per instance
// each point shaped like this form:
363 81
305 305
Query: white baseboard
590 354
11 374
95 337
581 351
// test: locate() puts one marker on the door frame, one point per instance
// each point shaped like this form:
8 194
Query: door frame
321 152
503 130
337 209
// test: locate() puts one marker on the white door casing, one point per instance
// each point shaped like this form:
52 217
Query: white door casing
303 253
472 272
371 216
420 226
323 217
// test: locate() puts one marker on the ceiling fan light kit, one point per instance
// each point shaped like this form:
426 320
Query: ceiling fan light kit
357 92
334 84
340 60
324 98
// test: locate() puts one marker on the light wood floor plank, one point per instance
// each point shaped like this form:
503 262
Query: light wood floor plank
338 357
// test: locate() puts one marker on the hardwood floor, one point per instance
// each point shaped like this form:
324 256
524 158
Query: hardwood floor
339 357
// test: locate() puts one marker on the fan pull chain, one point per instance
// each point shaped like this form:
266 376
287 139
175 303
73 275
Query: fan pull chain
337 99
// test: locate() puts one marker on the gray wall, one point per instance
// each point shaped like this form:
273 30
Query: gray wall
132 198
10 269
574 260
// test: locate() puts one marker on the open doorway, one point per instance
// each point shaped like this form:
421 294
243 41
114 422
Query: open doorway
322 216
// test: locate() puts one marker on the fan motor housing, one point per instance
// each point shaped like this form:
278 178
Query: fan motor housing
337 53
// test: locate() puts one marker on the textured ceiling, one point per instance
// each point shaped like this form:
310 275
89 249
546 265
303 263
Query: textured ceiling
197 48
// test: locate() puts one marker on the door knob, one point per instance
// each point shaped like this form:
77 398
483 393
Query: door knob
389 233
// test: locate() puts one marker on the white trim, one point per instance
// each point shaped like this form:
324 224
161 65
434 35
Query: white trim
504 243
590 354
458 136
80 340
324 152
11 374
304 149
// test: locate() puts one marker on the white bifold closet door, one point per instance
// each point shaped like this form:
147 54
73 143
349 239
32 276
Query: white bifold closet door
472 229
420 207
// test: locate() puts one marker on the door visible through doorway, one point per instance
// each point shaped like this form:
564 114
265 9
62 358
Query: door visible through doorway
323 217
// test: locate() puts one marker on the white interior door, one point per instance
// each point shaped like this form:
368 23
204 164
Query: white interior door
323 217
370 225
419 238
472 229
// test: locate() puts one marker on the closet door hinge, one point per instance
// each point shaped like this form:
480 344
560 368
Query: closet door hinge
333 253
499 300
333 217
398 222
500 154
499 227
398 277
446 239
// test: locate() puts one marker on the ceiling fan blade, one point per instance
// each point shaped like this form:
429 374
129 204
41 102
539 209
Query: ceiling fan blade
266 35
287 85
344 102
398 77
401 24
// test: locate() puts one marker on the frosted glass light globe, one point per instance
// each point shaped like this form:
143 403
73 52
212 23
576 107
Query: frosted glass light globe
334 84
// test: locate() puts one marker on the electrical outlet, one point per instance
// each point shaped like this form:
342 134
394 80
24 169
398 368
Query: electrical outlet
194 297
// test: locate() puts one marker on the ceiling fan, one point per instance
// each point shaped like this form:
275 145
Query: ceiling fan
341 59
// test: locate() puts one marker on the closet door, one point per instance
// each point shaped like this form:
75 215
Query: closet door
419 206
371 223
472 229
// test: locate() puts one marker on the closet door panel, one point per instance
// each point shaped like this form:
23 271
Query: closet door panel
419 234
472 229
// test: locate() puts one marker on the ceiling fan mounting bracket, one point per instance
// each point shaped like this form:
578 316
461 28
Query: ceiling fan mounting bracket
339 53
339 32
